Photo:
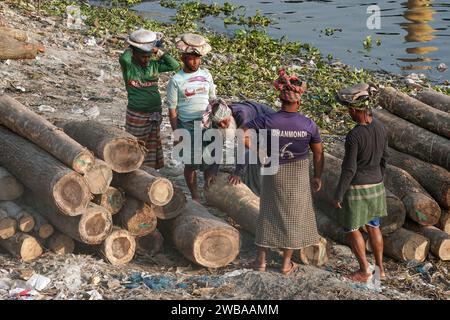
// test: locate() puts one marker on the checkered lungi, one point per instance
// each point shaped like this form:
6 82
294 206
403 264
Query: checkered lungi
146 127
287 219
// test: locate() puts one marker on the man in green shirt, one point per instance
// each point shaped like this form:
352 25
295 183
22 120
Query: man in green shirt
140 73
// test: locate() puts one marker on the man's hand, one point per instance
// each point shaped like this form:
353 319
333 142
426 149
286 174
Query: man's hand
209 180
337 204
234 180
316 184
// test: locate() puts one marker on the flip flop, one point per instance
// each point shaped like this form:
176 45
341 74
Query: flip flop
294 266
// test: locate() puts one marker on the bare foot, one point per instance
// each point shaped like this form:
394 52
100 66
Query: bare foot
294 266
196 200
256 265
360 276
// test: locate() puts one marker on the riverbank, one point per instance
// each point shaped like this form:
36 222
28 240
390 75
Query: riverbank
75 75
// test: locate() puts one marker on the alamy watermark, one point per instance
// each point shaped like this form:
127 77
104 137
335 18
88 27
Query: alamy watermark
374 20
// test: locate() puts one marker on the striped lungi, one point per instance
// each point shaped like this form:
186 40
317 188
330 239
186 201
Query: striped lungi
363 203
146 127
287 219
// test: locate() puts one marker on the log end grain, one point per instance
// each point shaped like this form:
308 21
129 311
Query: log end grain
119 247
422 209
61 244
161 192
10 188
150 244
46 231
26 223
444 250
123 155
316 255
8 228
416 249
99 177
71 194
30 249
83 162
112 200
95 225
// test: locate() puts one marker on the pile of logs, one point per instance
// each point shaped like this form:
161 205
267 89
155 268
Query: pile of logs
417 177
78 185
13 45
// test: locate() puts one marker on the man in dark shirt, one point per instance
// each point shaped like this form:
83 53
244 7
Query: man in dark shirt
360 191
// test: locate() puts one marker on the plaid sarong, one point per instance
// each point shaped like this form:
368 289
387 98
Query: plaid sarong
146 127
363 203
287 219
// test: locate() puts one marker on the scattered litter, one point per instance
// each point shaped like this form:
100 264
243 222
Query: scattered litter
5 283
94 295
38 282
72 278
77 110
74 18
45 108
92 113
23 294
91 42
102 76
235 273
442 67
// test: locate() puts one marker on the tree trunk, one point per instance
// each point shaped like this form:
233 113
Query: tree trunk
433 178
60 243
444 222
25 221
435 99
43 174
119 149
8 226
92 227
150 244
11 48
439 240
238 202
136 217
316 255
420 206
330 179
22 246
98 177
119 247
13 33
42 228
145 187
414 111
41 132
112 200
10 187
414 140
405 245
204 239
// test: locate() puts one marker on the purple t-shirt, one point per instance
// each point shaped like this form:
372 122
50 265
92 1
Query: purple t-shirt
294 130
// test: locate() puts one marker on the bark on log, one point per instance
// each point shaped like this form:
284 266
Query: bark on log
434 179
8 226
420 206
435 99
47 136
92 227
11 48
414 140
60 243
25 221
415 111
10 187
112 200
145 187
136 217
43 174
203 238
330 178
98 177
119 149
150 244
22 246
405 245
13 33
439 240
328 227
444 222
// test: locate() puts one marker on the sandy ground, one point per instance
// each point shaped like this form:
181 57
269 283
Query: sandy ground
74 76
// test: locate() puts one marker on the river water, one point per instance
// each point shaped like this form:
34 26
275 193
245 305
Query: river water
414 34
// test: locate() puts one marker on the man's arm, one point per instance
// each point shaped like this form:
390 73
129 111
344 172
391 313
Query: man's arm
318 161
172 103
384 158
348 170
173 119
167 63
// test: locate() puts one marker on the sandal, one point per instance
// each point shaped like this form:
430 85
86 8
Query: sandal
255 266
294 266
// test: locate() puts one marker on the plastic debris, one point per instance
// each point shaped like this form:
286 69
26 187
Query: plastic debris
92 113
91 42
77 110
94 295
72 278
74 19
442 67
45 108
5 283
235 273
38 282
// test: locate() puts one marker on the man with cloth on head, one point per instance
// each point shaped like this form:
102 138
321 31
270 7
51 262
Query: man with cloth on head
140 73
188 94
360 192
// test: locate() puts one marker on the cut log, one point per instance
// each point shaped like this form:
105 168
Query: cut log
330 178
444 222
405 245
136 217
204 239
25 221
92 227
11 48
420 206
439 240
434 179
414 140
145 187
14 33
47 136
435 99
316 255
328 227
43 174
119 247
112 200
119 149
150 244
10 187
415 111
42 227
60 243
8 226
98 177
22 246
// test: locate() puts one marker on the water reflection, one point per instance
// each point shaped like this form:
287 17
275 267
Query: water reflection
419 13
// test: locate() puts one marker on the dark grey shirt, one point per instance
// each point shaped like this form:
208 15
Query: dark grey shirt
365 157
